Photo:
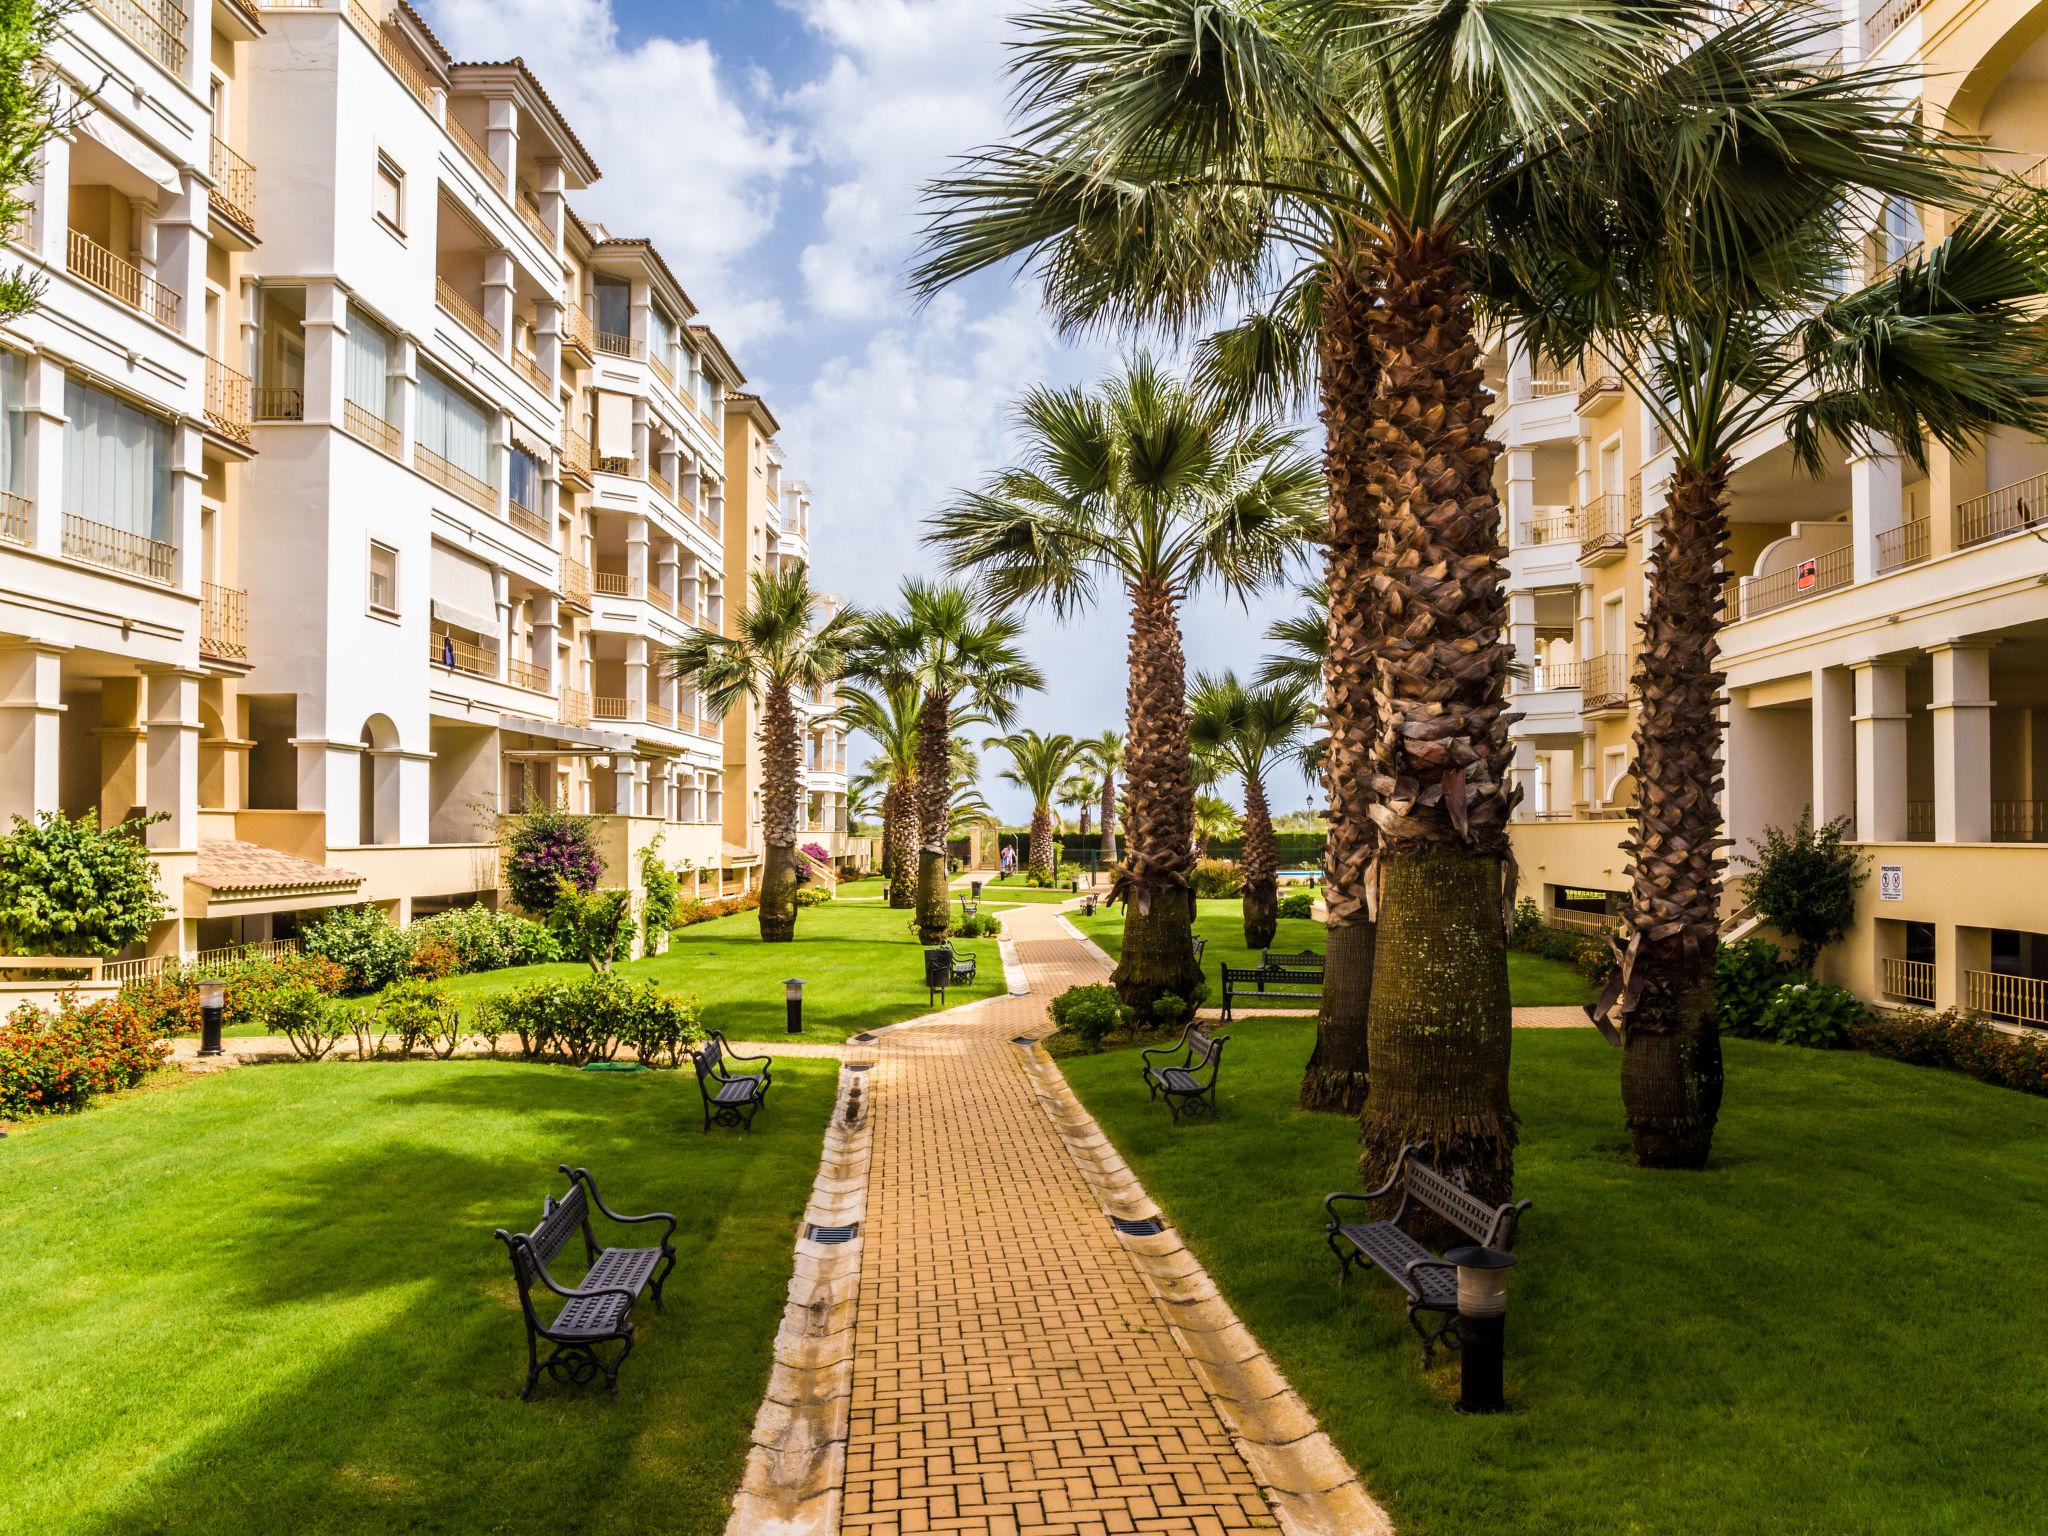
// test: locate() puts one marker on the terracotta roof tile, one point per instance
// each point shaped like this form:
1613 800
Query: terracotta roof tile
236 866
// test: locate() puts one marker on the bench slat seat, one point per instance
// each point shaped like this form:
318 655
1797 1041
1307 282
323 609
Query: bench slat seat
1293 979
591 1317
1179 1083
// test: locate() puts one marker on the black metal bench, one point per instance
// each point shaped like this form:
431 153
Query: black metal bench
1180 1084
730 1098
1303 959
1200 945
598 1309
1429 1281
945 967
1292 979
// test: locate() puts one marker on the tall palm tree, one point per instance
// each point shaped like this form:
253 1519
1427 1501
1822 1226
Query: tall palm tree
1248 730
1141 483
951 655
1375 174
777 652
888 717
1946 345
1105 754
1037 764
1079 792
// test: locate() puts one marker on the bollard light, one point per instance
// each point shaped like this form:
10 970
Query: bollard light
212 995
977 889
885 893
793 997
1482 1327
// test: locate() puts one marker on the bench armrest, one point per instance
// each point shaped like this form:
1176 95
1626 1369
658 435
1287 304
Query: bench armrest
1414 1264
1166 1050
582 1176
1330 1203
574 1293
736 1056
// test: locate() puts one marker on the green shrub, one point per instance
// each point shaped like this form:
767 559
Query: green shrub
983 925
1747 977
431 960
483 940
73 887
595 927
812 896
691 910
1527 928
588 1019
658 1028
362 941
1809 1013
1957 1042
53 1062
537 1012
1089 1013
1215 878
307 1017
1804 883
663 889
420 1013
1037 874
1297 904
1593 958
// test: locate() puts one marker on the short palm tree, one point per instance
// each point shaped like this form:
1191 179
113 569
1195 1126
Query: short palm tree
1079 793
1037 764
1142 483
1377 175
888 716
1214 818
1105 754
1248 730
777 652
939 645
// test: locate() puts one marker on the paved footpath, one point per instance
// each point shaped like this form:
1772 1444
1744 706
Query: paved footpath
1012 1372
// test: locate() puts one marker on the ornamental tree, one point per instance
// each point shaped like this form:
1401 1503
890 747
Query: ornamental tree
73 887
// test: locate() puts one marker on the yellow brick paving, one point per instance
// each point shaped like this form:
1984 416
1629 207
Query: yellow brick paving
1012 1372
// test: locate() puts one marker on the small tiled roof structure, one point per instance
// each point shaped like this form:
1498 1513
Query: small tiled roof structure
229 868
735 854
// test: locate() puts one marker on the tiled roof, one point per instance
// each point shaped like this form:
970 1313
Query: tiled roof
709 337
245 868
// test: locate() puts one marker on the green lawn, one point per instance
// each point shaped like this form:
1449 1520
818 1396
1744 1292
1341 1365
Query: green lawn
269 1301
1532 980
861 965
1016 892
1832 1330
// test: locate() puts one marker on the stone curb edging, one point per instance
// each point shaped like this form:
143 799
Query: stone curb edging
1314 1491
1101 956
795 1478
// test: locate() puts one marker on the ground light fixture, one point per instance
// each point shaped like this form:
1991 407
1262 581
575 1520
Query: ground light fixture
1482 1326
212 997
793 999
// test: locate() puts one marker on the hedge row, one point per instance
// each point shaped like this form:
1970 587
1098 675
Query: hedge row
1297 850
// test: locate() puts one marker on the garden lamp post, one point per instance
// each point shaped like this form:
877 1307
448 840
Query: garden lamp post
793 998
211 996
1482 1326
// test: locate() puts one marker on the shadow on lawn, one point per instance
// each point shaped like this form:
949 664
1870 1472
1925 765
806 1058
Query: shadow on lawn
381 1317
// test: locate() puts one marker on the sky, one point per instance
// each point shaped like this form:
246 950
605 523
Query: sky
774 150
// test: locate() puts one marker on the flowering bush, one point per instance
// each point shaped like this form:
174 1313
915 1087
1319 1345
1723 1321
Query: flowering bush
1809 1013
1958 1042
362 941
812 896
590 1018
544 847
1216 878
483 940
51 1062
692 911
168 1003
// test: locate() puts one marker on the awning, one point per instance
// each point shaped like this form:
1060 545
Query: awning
614 425
462 618
465 591
581 737
129 147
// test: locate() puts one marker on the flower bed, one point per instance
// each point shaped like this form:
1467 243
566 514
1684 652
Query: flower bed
52 1062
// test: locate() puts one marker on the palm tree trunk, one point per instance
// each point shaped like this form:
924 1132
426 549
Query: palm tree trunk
902 835
934 790
781 780
1259 865
1439 1025
1336 1077
1108 818
1041 838
1661 996
1159 845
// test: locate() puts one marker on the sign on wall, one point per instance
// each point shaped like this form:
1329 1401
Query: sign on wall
1809 575
1891 882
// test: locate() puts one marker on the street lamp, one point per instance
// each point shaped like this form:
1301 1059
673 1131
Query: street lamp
212 995
793 997
1482 1326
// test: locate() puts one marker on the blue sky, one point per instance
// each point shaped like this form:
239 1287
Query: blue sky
773 149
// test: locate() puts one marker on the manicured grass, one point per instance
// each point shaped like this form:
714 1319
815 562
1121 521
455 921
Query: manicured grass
269 1301
1532 980
1017 893
1830 1330
861 965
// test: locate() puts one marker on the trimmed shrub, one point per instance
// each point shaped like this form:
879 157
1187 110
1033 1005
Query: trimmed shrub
1747 977
1809 1013
73 887
1216 878
544 847
590 1018
983 925
595 927
1804 883
419 1013
691 911
1297 904
1090 1013
1037 874
307 1017
483 940
432 960
812 895
663 889
1956 1042
54 1062
363 943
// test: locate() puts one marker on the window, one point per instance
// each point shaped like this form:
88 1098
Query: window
372 373
388 193
14 431
383 579
704 391
117 463
661 339
614 315
454 427
525 471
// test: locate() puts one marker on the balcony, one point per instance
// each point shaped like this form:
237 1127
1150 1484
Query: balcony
1592 385
615 464
227 401
1902 546
610 706
14 517
578 332
368 427
478 155
575 707
529 210
467 313
121 280
611 344
117 549
444 650
478 493
528 521
1544 382
524 674
1545 675
1603 529
276 402
223 622
1550 525
1910 981
576 455
2022 998
233 193
2011 508
157 27
396 51
2019 821
1824 572
1604 682
662 484
575 582
1889 17
529 369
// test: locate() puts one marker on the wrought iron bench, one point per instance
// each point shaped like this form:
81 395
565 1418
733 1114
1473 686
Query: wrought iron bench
1180 1084
1293 981
598 1309
1301 959
1200 945
730 1098
944 967
1429 1281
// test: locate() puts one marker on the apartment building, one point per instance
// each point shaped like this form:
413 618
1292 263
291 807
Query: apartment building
1887 644
354 484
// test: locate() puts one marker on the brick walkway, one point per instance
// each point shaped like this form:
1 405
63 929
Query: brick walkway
1012 1372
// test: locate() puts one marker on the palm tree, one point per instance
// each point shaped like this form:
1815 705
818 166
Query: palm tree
777 652
939 646
1140 482
1105 754
1079 791
888 717
1247 730
1214 818
1037 763
1374 173
1945 346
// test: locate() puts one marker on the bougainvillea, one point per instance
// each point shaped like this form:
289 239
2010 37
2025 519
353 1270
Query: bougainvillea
544 847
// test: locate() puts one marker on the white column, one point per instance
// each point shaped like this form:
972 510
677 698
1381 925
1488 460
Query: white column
501 140
173 756
636 677
53 191
180 254
31 709
547 341
1524 773
1521 494
1834 744
413 774
1522 632
408 397
326 350
45 444
188 481
498 282
1877 503
1880 722
636 556
1962 741
552 196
